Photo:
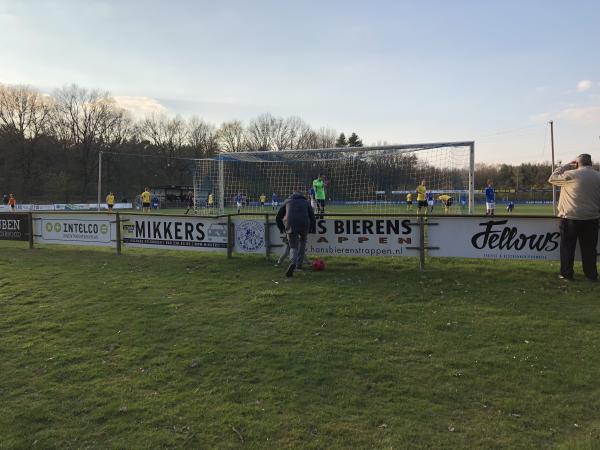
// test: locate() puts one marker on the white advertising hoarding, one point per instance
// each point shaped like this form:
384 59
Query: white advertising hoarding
64 207
371 236
174 232
498 237
88 206
337 237
75 229
249 236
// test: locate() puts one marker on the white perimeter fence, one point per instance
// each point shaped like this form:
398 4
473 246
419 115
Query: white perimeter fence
501 237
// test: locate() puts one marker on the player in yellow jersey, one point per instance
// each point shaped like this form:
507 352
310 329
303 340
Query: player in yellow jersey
146 197
422 196
446 201
189 200
409 201
263 200
110 201
211 200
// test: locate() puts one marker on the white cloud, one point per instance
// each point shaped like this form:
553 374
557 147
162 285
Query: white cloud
140 106
584 85
584 115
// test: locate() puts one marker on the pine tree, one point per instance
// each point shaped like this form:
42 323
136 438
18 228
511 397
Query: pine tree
341 141
354 141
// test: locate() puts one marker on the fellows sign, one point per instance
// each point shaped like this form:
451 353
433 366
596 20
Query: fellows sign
498 237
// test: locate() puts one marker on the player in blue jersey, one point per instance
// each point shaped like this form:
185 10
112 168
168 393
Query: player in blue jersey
274 201
510 207
430 201
490 198
238 199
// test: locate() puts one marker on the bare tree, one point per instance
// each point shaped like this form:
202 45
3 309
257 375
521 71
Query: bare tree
232 137
25 120
325 138
116 139
261 132
168 138
202 138
83 118
300 133
282 134
276 133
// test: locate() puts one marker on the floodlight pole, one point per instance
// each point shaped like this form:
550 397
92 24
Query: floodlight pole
99 178
553 165
471 177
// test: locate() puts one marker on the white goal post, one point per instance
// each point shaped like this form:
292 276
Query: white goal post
373 179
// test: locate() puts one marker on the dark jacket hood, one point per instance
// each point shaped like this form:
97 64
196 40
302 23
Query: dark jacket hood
297 195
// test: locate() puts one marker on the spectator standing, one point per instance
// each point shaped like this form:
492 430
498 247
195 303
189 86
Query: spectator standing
579 211
12 202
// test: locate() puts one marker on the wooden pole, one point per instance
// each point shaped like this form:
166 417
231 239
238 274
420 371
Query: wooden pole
99 179
30 224
118 224
421 243
267 238
230 237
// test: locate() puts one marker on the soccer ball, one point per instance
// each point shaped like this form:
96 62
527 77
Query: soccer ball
318 265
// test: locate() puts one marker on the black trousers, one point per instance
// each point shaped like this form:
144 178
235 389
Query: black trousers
586 232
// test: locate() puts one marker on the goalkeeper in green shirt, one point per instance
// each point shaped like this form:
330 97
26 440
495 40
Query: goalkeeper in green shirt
319 187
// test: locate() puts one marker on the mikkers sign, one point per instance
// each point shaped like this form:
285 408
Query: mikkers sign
170 232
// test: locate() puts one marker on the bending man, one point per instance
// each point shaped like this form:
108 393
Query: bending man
296 218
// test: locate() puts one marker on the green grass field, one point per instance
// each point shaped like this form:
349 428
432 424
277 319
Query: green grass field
520 209
156 349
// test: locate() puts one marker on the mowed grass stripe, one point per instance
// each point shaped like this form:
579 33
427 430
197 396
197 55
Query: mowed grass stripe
168 349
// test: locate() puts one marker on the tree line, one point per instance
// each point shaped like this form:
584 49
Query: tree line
49 145
522 177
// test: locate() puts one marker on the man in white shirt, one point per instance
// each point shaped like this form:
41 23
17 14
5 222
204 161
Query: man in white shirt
579 210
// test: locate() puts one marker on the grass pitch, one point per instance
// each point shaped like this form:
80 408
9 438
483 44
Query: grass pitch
178 350
520 209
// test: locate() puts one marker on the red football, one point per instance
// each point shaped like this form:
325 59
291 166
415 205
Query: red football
318 264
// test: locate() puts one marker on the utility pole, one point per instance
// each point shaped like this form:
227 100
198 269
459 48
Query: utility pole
553 166
99 178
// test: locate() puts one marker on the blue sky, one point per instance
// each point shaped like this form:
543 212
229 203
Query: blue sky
395 71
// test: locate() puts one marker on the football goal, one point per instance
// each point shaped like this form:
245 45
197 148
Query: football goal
379 179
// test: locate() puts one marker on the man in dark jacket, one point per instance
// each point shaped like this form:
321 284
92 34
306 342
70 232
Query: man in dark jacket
296 218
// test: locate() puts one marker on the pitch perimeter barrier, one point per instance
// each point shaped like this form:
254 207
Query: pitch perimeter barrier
15 227
79 207
500 237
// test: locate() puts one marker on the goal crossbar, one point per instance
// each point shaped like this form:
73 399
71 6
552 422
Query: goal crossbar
276 155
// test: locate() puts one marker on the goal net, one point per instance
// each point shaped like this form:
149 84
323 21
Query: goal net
357 179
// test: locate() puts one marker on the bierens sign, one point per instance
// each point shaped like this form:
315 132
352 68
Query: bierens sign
14 227
200 234
86 229
495 237
360 237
